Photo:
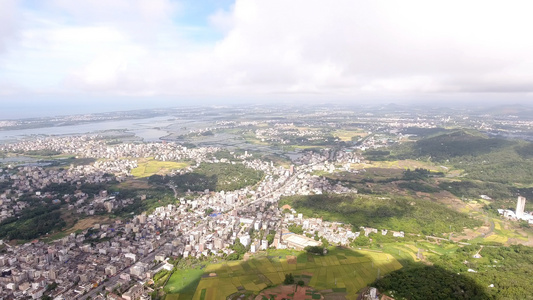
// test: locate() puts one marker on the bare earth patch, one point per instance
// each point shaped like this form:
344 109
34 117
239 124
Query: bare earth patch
135 184
291 260
470 234
288 292
87 223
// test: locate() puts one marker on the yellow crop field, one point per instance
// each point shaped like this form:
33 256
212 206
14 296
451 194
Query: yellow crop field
342 270
347 135
401 164
497 225
496 238
150 167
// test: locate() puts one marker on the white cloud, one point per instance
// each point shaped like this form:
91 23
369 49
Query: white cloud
141 19
9 16
341 49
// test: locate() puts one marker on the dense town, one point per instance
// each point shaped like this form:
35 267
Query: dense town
119 257
265 150
113 258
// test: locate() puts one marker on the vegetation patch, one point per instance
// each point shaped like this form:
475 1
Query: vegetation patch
184 281
418 187
33 223
230 177
213 177
419 281
481 158
394 213
459 143
500 273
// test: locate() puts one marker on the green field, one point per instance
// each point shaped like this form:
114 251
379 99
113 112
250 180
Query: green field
184 282
150 167
409 214
341 268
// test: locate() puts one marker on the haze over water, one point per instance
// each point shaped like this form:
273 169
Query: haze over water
143 128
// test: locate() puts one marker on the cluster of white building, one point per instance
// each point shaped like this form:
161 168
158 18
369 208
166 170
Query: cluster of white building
335 232
116 255
519 213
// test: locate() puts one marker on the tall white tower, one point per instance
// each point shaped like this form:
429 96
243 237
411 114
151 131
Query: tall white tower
520 205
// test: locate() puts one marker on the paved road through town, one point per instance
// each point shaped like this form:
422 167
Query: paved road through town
150 257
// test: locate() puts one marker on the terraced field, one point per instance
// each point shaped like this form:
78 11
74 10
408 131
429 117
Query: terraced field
341 270
502 235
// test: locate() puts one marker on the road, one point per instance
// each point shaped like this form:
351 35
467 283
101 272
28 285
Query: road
295 175
150 257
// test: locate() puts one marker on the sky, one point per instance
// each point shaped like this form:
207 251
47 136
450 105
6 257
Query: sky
89 55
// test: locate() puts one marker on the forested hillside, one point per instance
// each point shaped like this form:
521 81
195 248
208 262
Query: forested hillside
500 273
393 212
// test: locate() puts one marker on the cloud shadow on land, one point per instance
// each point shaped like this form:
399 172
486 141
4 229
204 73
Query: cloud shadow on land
341 272
423 282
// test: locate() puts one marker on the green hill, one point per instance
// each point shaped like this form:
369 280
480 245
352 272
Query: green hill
458 143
